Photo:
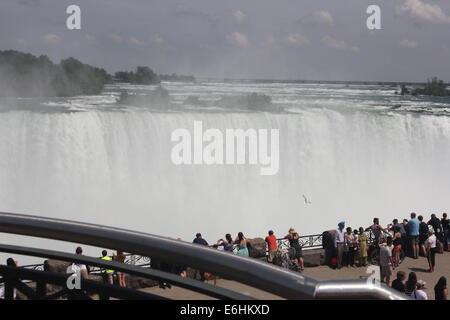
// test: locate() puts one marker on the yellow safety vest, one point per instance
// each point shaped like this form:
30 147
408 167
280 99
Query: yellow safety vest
109 259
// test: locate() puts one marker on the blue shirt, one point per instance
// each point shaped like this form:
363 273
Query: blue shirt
413 227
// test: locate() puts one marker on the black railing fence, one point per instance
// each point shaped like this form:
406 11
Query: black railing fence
306 242
251 272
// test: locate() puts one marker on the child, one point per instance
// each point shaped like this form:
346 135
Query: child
398 284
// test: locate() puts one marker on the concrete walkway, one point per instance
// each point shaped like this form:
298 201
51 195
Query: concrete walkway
419 266
323 273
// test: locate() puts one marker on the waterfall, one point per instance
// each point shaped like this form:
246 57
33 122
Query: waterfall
114 168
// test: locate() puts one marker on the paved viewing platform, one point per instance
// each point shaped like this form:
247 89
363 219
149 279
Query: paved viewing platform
418 266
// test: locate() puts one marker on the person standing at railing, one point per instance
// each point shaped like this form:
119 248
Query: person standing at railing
339 243
397 242
413 235
445 222
435 222
200 241
386 261
423 235
272 246
362 244
241 241
351 246
294 242
80 267
108 273
227 244
10 262
120 257
377 230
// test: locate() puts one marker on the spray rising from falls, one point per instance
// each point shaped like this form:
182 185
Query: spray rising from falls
115 168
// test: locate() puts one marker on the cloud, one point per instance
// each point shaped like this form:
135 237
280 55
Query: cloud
408 44
51 38
136 42
115 38
334 43
237 39
317 18
425 12
239 16
338 44
297 39
157 39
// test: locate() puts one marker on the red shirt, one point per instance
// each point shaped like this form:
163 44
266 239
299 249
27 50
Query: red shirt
272 241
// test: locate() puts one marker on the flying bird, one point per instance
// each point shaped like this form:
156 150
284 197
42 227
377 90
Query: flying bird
306 199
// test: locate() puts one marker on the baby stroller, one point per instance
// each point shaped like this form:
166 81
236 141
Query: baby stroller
283 258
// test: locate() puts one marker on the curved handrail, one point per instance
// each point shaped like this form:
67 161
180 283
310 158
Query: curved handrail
355 289
190 284
249 271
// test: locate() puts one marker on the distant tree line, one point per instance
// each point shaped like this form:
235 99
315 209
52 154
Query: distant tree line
433 87
145 75
25 75
176 77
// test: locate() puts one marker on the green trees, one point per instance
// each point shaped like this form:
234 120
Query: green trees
79 78
143 75
25 75
176 77
433 87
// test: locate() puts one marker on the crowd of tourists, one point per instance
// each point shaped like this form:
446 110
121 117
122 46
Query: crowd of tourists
413 237
350 248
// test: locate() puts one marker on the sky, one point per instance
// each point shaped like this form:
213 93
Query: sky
266 39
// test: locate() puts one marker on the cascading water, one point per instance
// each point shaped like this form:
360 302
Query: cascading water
114 168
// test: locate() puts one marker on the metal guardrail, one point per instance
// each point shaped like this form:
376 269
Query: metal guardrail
158 275
248 271
307 242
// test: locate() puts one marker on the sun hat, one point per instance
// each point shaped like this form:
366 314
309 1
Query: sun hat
421 284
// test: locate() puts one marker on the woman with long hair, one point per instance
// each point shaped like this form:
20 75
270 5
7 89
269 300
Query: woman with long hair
397 242
440 289
411 284
241 241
